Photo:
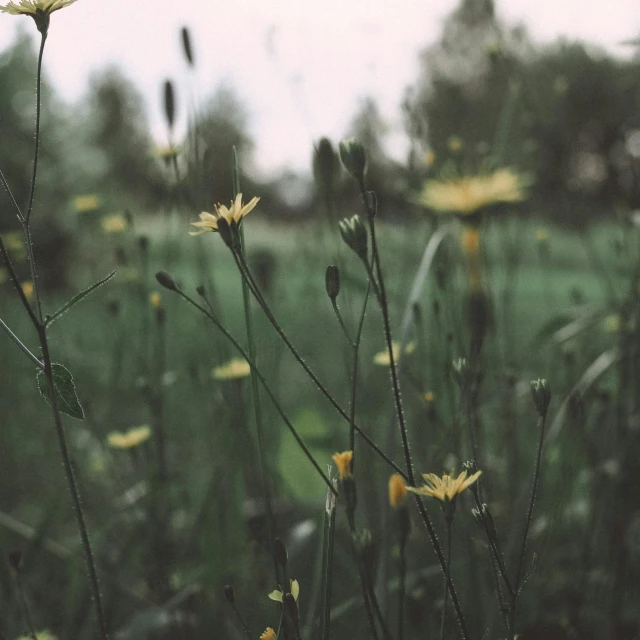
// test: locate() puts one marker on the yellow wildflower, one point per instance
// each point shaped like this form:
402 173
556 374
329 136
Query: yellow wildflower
447 488
40 635
86 204
132 438
235 213
454 143
166 153
155 300
542 235
13 241
27 289
294 589
232 370
343 462
429 397
430 159
115 223
468 194
397 490
382 358
33 7
268 634
611 323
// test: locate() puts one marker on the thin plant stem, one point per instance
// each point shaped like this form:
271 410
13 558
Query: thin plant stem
518 575
330 519
244 270
27 215
263 381
255 391
5 184
446 581
73 486
16 284
20 344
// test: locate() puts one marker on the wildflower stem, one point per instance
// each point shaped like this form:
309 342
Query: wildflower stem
328 540
20 344
27 215
16 285
517 582
5 184
263 381
245 272
255 392
446 580
73 486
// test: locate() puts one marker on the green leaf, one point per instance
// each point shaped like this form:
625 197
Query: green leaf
65 391
77 298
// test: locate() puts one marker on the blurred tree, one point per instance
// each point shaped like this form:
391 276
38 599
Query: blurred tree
118 128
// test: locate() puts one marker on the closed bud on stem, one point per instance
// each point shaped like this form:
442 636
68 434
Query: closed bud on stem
332 281
354 234
229 594
169 103
325 165
291 605
165 280
541 394
186 45
353 158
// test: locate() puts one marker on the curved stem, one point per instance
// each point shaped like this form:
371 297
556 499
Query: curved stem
244 270
266 387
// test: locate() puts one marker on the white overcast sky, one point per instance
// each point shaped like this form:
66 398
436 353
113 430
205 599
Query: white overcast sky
301 67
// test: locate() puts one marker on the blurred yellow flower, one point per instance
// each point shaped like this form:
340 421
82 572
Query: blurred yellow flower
454 143
40 635
155 300
13 241
268 634
429 397
27 289
470 240
32 7
130 439
611 324
542 235
382 358
278 596
235 213
429 158
468 194
86 204
232 370
447 488
343 462
166 153
115 223
397 490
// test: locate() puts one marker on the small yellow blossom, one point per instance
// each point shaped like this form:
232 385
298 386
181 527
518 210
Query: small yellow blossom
343 462
268 634
542 235
40 635
430 159
13 241
454 143
429 397
33 7
86 204
468 194
278 595
155 299
132 438
115 223
235 213
447 488
232 370
382 358
27 289
397 490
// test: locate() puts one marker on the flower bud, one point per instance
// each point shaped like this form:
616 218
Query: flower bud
353 158
280 552
165 280
169 103
541 394
186 45
354 234
332 281
325 165
397 490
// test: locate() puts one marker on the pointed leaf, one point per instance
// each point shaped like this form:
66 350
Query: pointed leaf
77 298
65 391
